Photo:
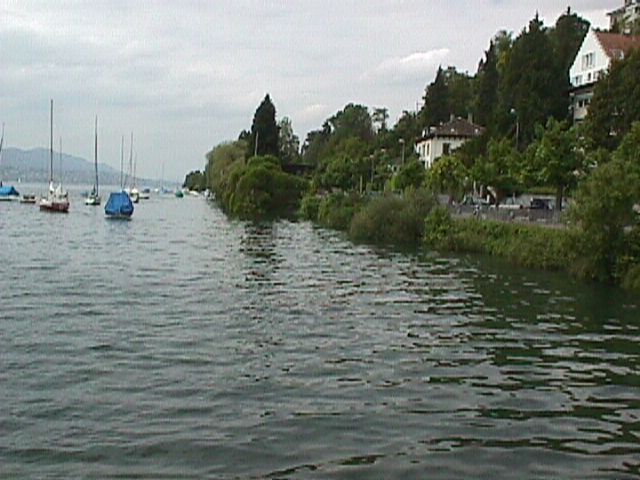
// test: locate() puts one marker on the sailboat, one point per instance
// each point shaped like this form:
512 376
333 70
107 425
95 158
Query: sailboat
119 205
7 192
94 197
133 192
57 199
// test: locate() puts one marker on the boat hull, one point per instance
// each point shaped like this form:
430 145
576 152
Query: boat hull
93 200
54 206
119 206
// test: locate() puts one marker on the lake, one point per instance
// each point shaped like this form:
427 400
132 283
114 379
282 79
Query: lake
181 344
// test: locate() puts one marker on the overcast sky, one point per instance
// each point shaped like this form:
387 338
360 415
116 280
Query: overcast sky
185 76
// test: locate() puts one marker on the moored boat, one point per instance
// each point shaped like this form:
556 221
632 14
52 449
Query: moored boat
57 199
94 197
119 206
7 192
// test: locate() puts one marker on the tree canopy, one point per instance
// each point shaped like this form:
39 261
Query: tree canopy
263 139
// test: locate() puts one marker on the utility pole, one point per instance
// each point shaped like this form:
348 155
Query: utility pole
255 148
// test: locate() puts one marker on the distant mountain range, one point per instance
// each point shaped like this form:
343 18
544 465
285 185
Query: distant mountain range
32 166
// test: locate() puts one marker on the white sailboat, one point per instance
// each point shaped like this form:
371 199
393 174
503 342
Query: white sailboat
133 192
57 199
94 196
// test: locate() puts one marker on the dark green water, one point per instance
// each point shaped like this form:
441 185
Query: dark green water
182 345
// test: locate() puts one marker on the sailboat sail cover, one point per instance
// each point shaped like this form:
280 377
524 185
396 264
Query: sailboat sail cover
8 191
119 204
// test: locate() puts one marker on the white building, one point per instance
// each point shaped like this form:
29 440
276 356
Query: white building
444 139
623 18
596 53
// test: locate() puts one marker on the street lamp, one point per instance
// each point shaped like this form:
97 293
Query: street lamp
401 141
371 158
513 112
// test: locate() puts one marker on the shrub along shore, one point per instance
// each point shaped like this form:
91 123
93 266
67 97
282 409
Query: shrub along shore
416 219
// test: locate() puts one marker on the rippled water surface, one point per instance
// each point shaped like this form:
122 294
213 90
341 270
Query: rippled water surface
182 345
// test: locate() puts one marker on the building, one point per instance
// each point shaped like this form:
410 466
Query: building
444 139
622 19
592 61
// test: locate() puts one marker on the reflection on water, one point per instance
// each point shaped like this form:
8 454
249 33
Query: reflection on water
185 345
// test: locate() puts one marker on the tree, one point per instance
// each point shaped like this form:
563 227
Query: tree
264 130
499 169
615 104
347 168
316 144
556 157
567 36
380 117
195 180
352 121
534 86
221 160
488 80
461 92
448 175
262 190
436 108
411 174
289 143
604 212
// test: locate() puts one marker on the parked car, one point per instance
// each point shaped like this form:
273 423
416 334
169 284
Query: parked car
468 200
540 204
510 203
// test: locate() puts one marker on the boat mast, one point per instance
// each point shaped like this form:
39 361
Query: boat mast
1 142
51 144
60 159
131 158
121 160
95 155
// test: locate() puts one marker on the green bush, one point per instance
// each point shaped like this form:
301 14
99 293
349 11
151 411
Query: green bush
631 278
527 245
336 210
393 219
310 206
438 229
262 190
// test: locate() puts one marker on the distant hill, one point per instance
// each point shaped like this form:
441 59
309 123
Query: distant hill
32 166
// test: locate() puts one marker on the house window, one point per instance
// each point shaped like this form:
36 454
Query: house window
446 148
588 61
427 149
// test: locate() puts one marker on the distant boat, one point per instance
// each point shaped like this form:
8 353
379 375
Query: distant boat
179 193
57 199
28 198
133 192
7 192
119 205
94 197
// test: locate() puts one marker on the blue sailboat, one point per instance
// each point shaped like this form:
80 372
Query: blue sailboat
7 192
119 205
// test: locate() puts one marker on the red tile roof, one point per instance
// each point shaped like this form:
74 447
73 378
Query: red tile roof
457 127
617 46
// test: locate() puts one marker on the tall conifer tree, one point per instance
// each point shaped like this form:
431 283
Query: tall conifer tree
264 130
